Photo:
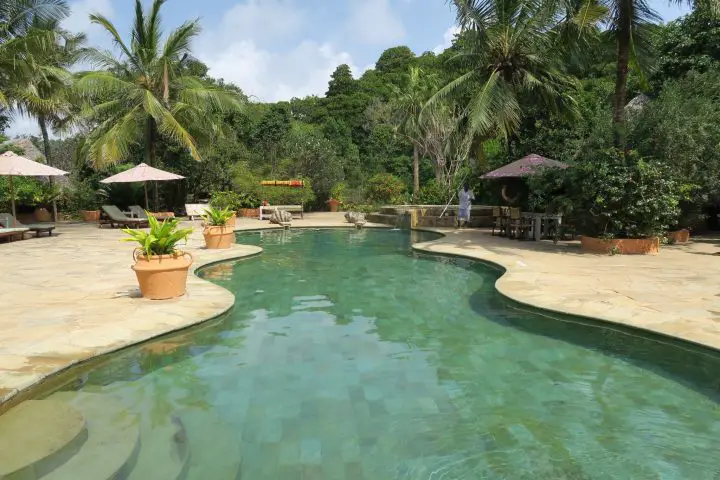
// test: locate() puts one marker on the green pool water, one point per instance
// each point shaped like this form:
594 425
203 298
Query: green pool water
349 357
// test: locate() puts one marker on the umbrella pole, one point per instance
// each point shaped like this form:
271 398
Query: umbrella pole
147 203
157 198
12 194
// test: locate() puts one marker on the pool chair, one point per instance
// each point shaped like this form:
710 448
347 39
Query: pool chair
10 222
114 217
139 212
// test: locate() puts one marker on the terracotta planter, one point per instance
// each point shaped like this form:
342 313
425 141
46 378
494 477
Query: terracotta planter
249 212
90 215
680 236
231 221
626 246
42 215
334 204
219 237
162 276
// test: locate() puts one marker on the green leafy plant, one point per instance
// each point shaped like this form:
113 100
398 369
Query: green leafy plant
432 193
161 239
338 191
385 188
216 217
248 200
226 201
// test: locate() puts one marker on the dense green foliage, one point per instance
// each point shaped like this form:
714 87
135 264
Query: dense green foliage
551 78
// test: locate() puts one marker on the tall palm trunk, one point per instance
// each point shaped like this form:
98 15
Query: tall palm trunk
150 154
48 158
416 172
624 37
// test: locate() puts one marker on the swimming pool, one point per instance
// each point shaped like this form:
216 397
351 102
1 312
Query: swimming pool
347 356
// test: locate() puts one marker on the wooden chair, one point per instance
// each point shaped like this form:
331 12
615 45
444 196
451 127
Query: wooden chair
518 227
497 220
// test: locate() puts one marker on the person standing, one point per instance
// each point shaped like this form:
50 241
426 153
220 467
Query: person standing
466 197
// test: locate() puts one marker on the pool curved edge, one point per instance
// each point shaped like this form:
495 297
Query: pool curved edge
196 286
514 286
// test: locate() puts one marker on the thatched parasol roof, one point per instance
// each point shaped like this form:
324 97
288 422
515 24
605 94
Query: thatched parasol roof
527 165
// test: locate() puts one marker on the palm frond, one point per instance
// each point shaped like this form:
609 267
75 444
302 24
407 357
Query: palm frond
168 124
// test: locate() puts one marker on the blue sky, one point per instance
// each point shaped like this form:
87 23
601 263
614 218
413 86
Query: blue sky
277 49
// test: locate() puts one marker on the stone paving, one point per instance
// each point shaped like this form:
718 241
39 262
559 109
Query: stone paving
72 297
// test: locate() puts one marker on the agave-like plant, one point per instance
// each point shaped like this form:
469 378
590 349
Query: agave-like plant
217 217
161 239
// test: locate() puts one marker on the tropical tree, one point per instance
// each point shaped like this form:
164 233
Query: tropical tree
20 42
510 54
407 103
630 22
149 93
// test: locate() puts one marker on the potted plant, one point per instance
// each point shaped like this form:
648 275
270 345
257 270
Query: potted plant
249 205
217 232
161 268
226 201
337 196
85 200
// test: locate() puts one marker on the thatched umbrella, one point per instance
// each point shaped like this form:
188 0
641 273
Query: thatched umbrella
526 166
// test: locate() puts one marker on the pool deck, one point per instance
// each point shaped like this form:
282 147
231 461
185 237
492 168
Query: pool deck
72 297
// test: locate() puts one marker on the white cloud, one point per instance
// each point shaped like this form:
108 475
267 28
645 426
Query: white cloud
272 76
79 20
448 38
374 22
261 21
22 125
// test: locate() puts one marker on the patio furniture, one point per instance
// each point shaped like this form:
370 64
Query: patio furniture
8 221
267 210
500 220
138 212
114 217
518 226
12 233
543 224
196 209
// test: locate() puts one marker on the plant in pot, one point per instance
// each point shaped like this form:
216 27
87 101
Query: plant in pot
217 232
337 196
86 201
249 205
161 268
226 201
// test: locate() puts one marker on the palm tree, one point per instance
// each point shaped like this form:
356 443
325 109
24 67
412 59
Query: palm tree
629 21
148 93
20 42
407 104
511 54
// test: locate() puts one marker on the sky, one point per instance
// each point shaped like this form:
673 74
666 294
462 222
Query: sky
279 49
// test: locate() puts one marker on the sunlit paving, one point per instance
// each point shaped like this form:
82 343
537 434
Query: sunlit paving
351 240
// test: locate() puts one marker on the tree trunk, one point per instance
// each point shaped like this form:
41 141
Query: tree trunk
48 158
416 172
624 32
150 154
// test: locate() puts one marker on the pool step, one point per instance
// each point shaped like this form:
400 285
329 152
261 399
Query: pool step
164 449
215 448
37 436
111 449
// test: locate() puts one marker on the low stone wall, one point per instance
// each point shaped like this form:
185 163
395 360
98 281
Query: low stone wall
626 246
407 216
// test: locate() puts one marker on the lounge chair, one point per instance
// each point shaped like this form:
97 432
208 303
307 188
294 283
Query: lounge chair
140 212
12 233
8 221
114 217
196 209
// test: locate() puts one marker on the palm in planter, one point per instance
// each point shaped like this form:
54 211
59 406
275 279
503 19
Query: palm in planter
218 233
161 268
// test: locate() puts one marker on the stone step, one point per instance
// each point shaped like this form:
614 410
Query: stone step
164 449
37 436
111 449
215 447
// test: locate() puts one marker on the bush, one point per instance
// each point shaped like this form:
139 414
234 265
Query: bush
338 191
225 201
288 195
433 193
386 188
28 192
622 195
83 196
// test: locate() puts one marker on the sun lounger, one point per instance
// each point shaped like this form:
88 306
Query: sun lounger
267 210
196 209
114 217
12 233
139 212
8 221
